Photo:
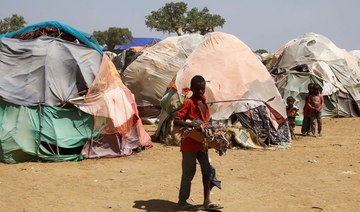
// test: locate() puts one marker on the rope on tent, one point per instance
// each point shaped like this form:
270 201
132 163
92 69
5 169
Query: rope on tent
239 100
40 127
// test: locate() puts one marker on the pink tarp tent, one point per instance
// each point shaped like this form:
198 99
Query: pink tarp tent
232 72
237 84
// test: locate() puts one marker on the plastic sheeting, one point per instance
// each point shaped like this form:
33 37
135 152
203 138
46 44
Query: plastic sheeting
42 133
86 38
150 74
236 80
136 42
45 71
115 113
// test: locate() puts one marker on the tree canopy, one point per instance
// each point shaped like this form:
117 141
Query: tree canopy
12 24
175 18
202 21
113 36
261 51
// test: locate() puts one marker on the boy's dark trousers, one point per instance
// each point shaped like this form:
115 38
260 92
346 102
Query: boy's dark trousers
188 172
305 127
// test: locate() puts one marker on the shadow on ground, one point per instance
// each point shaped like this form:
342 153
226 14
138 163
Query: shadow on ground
155 205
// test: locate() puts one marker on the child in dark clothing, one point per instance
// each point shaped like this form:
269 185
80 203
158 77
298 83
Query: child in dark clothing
315 103
292 112
305 128
195 109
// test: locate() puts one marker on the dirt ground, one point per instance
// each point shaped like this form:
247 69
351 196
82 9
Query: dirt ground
315 174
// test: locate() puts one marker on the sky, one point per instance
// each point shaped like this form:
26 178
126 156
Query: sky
260 24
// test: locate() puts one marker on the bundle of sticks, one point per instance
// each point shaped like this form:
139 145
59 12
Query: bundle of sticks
210 137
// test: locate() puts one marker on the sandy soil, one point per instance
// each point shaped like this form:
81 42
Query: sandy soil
315 174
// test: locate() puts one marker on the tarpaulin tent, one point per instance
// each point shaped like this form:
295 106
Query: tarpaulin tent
135 42
149 75
314 58
237 84
44 68
356 54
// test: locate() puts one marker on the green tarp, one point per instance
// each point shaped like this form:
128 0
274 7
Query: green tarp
42 133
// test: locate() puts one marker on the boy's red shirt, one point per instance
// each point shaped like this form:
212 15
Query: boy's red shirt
309 102
307 108
190 110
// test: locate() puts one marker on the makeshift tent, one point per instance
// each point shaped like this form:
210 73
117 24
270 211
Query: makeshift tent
356 54
314 58
149 75
135 42
238 88
353 63
44 67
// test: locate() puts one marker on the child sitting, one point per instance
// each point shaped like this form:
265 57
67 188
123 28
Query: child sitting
292 111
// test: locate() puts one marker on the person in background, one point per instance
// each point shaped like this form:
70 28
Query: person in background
315 103
196 110
292 111
305 127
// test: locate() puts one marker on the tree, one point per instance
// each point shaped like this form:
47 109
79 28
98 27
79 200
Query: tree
12 24
170 18
261 51
113 36
202 21
174 18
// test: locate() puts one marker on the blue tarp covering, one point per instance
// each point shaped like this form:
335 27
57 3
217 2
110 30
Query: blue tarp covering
135 42
86 38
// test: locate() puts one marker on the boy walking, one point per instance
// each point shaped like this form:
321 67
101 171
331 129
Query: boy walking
196 110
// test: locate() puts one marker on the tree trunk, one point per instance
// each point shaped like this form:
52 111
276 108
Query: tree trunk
111 47
179 31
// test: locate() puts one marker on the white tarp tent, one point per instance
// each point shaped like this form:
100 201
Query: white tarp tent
314 58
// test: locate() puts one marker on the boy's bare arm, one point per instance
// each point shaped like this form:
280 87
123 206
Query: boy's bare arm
178 121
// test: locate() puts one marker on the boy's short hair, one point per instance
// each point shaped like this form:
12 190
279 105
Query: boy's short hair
196 79
318 88
311 85
290 98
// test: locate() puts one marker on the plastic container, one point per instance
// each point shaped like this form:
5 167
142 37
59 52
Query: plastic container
298 120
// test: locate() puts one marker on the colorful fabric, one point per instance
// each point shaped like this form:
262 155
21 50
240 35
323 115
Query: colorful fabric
110 101
257 120
292 112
